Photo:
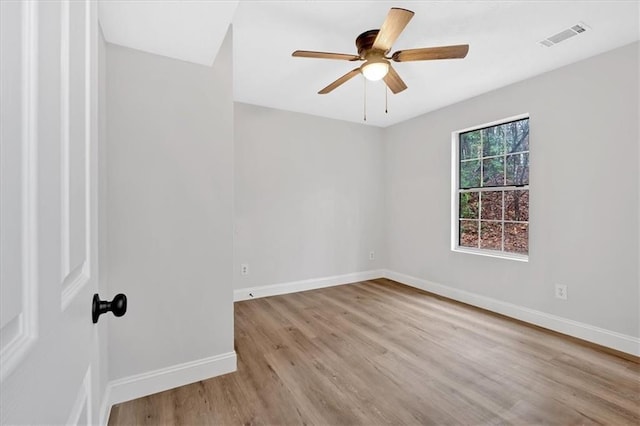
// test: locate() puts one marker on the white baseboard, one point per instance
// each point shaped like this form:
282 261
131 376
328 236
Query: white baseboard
600 336
311 284
151 382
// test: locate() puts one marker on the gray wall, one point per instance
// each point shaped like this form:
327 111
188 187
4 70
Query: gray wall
308 196
169 208
584 194
313 196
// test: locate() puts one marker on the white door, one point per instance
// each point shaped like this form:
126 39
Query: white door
48 356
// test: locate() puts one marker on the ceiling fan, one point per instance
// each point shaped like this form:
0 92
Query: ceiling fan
373 46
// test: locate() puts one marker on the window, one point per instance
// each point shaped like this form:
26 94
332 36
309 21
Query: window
491 189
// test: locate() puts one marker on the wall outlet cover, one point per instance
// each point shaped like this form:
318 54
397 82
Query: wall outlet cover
561 291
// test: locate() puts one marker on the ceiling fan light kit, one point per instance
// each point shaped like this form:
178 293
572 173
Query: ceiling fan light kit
375 69
373 47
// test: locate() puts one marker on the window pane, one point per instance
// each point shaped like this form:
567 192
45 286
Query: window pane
491 205
491 235
492 141
469 202
516 237
470 174
518 169
470 145
516 205
517 135
468 233
493 172
492 214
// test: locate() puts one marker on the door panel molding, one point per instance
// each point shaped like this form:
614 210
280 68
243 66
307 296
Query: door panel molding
22 330
76 273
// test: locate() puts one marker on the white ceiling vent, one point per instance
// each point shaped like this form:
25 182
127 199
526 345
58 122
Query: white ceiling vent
579 28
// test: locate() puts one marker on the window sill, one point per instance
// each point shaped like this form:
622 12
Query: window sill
491 253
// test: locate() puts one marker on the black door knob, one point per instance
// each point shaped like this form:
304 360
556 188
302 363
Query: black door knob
118 306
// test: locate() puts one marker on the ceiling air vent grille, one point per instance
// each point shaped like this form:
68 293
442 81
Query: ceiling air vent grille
579 28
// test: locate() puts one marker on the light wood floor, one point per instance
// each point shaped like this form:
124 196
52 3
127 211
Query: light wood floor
378 352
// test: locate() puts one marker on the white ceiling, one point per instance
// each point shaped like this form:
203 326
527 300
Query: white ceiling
191 30
503 38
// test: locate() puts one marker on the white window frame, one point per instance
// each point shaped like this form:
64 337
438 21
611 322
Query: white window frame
455 199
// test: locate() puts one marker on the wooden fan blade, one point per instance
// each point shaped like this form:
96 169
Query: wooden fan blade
325 55
348 76
393 81
429 53
396 20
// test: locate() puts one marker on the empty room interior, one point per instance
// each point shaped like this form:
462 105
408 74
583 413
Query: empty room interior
320 212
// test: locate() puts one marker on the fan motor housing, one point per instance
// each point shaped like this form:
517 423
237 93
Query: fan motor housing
364 41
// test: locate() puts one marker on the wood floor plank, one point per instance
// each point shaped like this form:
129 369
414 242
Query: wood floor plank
378 352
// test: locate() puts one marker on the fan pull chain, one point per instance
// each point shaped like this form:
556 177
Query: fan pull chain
365 98
386 101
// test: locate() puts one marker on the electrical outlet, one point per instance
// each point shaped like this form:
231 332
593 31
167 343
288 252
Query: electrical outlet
372 255
244 269
561 291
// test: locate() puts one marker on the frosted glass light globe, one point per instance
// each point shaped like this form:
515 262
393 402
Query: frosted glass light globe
374 71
